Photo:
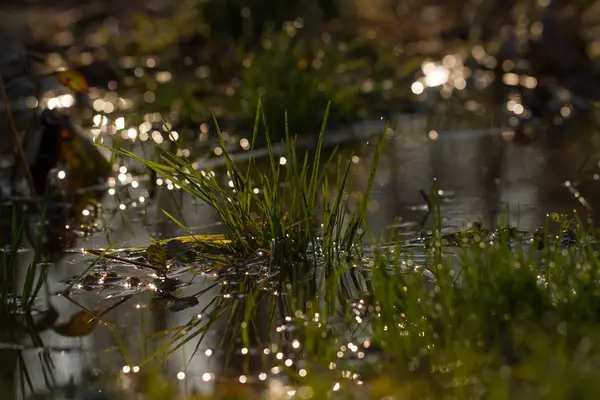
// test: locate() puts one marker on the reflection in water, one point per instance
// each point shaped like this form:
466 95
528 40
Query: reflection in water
480 172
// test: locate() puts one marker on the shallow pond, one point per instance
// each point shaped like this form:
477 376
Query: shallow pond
476 173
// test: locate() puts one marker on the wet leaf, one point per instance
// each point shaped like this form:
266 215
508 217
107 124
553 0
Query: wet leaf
134 281
114 280
219 266
183 303
73 80
167 285
176 247
156 254
91 279
81 324
181 251
188 257
207 242
161 303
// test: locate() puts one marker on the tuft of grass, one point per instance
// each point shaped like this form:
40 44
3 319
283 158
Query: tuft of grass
287 212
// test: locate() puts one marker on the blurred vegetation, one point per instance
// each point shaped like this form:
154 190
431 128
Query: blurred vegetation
193 58
222 65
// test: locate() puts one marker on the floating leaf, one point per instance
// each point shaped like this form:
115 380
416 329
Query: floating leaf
167 285
161 303
183 303
172 303
73 80
181 251
188 257
134 281
176 247
81 324
218 266
206 242
91 279
156 254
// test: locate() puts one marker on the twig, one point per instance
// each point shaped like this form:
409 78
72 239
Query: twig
34 120
125 260
429 207
15 133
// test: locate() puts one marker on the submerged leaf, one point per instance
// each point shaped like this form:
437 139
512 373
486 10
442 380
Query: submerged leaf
81 324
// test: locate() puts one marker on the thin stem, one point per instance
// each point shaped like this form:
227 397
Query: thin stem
112 257
17 138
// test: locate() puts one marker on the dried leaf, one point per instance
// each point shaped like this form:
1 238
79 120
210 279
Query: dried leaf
81 324
156 254
206 242
211 239
73 80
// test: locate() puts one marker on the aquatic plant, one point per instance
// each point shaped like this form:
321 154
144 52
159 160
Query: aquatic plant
495 314
289 212
503 314
19 291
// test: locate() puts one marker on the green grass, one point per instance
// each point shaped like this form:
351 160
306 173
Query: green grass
285 211
498 322
508 315
18 295
293 214
505 318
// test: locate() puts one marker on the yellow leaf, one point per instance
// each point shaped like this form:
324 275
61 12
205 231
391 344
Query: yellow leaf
82 324
73 80
208 239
